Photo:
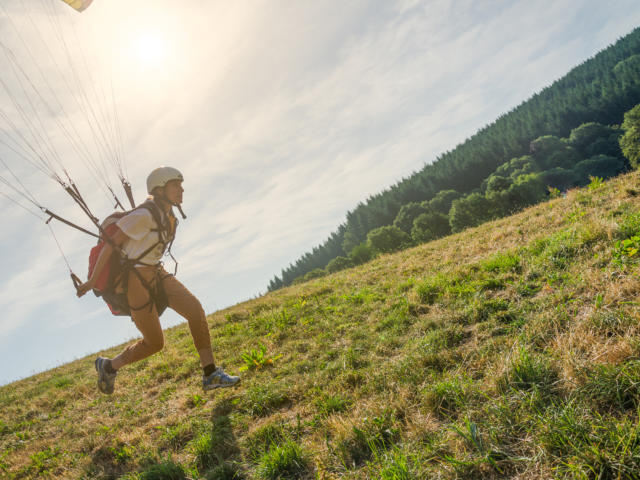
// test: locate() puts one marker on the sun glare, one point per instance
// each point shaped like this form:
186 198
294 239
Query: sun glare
151 49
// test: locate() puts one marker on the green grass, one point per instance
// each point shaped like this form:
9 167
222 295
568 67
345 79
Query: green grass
505 351
283 461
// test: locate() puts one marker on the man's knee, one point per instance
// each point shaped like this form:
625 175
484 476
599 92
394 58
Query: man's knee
155 344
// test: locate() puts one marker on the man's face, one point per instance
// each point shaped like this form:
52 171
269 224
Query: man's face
173 191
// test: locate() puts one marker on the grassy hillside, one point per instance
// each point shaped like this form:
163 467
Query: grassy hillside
506 351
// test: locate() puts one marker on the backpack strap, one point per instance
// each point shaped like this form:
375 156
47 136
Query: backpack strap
166 233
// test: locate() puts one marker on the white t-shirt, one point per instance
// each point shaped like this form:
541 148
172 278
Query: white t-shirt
137 226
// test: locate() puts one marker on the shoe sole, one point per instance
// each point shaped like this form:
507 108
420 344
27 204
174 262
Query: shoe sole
214 387
102 385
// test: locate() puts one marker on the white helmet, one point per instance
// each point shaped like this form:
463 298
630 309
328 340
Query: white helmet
160 176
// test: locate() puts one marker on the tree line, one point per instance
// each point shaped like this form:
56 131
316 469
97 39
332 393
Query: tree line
557 139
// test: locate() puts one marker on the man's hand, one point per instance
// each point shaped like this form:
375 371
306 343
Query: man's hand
85 287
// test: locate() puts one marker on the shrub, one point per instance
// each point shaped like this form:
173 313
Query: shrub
430 226
587 133
561 178
599 166
339 263
441 203
526 190
517 166
497 183
470 211
407 214
553 152
315 273
361 254
606 146
387 239
630 141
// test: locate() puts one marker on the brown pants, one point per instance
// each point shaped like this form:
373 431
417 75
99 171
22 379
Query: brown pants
148 322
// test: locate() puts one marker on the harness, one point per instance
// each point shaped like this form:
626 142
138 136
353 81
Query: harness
115 295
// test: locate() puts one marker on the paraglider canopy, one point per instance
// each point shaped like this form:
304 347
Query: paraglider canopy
79 5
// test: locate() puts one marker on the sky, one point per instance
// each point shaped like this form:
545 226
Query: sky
282 116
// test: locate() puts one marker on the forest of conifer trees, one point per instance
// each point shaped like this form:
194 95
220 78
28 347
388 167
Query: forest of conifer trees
556 140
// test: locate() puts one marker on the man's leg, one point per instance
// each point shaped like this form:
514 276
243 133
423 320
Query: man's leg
188 306
146 320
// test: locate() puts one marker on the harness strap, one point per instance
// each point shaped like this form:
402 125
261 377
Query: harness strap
130 264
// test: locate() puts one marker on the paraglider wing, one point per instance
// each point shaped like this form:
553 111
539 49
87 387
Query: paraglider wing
79 5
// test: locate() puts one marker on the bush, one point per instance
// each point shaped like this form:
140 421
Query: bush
441 203
497 183
630 141
582 137
560 178
553 152
407 214
599 166
429 226
517 166
470 211
315 273
361 254
527 190
606 146
339 263
388 239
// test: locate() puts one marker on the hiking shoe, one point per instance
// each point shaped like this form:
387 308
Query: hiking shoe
218 379
105 380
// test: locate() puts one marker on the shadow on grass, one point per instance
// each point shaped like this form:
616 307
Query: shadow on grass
217 451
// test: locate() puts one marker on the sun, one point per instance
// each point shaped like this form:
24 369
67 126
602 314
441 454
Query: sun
150 49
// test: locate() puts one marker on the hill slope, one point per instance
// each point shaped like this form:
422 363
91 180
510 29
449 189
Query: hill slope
505 351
